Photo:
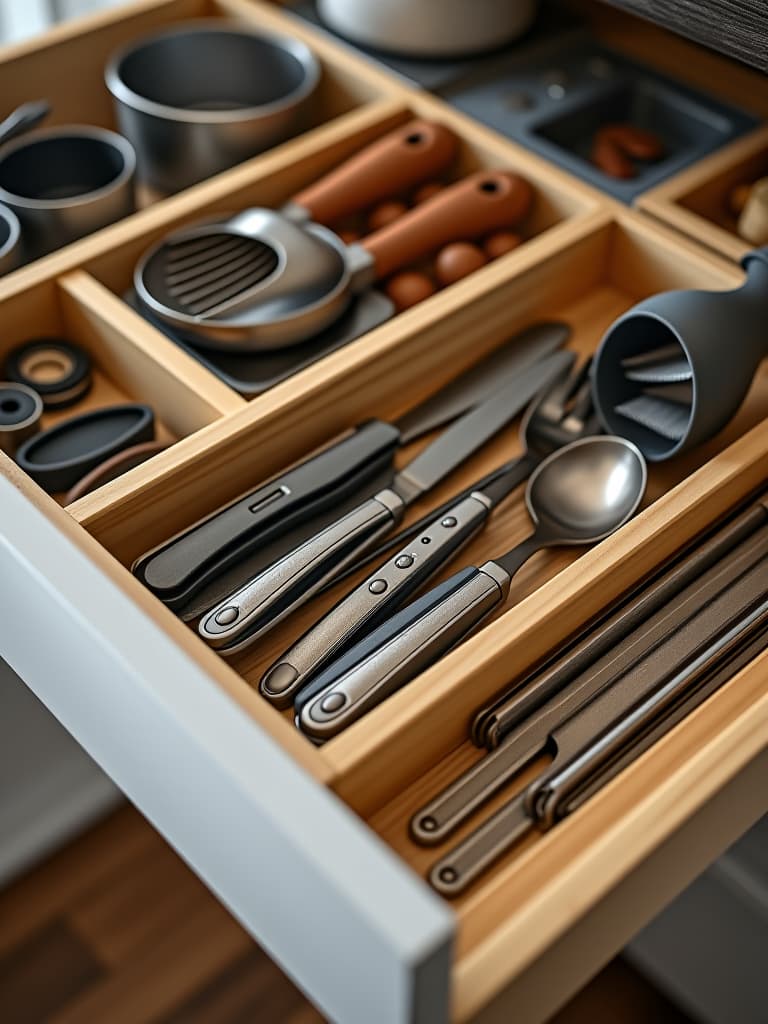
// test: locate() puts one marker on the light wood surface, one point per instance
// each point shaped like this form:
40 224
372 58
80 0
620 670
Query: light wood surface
585 259
696 200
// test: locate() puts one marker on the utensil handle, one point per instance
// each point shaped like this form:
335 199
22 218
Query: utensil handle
289 583
369 604
475 206
398 650
179 568
402 159
24 119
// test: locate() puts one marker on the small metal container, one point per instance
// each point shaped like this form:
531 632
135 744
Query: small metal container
199 99
63 183
10 240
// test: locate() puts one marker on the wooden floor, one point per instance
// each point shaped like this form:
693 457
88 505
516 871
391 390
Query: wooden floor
115 929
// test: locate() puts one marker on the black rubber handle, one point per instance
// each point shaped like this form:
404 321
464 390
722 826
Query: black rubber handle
179 568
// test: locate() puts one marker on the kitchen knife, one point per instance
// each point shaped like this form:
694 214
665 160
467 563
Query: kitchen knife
391 585
291 581
181 567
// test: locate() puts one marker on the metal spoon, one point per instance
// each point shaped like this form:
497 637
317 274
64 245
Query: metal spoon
23 119
578 495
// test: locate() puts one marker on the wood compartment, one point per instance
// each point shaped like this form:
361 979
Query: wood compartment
127 364
67 64
695 202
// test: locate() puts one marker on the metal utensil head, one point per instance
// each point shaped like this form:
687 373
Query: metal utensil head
585 491
257 280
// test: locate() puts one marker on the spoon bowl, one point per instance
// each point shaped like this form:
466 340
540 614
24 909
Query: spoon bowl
582 493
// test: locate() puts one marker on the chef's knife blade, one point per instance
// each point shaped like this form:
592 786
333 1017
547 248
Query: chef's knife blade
290 582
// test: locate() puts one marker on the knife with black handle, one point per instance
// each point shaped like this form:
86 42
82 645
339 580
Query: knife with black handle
291 581
181 567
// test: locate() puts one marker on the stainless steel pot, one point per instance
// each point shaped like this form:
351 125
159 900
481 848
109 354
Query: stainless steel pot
429 28
197 100
10 239
63 183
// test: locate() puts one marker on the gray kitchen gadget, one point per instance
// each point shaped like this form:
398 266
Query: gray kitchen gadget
289 583
553 97
198 99
63 183
578 495
21 409
264 280
10 240
673 370
558 416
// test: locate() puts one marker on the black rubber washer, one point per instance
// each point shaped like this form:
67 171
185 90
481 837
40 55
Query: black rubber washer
70 387
16 406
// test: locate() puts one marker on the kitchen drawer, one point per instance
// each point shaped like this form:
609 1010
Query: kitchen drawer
307 845
696 201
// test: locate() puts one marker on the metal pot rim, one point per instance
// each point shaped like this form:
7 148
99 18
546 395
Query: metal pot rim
75 132
214 26
14 229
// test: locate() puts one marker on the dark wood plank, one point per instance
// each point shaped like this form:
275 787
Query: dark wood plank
738 28
44 973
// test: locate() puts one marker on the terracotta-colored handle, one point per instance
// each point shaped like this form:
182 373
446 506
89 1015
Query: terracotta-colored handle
615 143
401 160
475 206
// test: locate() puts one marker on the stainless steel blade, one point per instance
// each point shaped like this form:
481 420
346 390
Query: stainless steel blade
476 427
470 388
669 419
666 365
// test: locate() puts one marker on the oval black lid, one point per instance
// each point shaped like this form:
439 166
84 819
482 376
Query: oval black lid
57 458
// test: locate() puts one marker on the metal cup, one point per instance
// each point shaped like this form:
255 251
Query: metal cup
199 99
63 183
10 235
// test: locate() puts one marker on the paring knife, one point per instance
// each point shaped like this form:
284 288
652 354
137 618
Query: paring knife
291 581
392 584
182 566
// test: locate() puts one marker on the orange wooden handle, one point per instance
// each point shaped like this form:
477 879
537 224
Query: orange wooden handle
401 160
475 206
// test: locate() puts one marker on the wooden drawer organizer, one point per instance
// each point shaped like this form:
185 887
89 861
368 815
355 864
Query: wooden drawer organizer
696 201
544 907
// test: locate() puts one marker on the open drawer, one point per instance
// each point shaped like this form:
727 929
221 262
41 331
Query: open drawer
308 846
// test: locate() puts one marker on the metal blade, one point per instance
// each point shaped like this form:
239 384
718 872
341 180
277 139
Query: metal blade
669 419
476 427
665 365
480 381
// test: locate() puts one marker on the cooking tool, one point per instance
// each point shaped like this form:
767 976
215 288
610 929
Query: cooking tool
578 495
63 183
260 280
493 723
10 238
114 467
584 742
182 566
20 412
23 119
545 427
291 581
431 28
57 458
57 370
677 338
199 98
542 711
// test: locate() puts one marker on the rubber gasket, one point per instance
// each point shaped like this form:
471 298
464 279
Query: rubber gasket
58 370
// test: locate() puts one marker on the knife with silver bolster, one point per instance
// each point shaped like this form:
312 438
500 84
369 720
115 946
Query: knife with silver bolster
183 566
287 584
394 583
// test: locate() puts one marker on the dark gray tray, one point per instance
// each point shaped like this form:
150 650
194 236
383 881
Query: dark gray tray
553 98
